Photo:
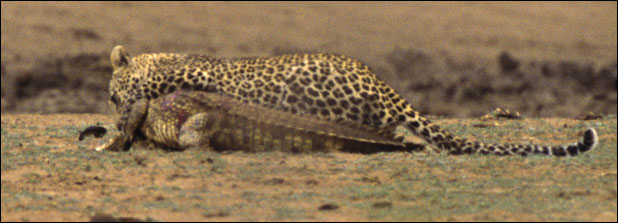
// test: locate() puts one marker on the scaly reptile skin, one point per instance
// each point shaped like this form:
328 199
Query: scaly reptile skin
185 119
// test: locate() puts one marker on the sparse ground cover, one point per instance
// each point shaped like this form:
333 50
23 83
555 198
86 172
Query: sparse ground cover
48 175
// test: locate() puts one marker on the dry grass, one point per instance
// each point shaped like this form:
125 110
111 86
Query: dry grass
47 175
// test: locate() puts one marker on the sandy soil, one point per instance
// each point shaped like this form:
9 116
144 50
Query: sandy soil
47 175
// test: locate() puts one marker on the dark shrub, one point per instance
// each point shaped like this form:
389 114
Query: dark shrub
507 62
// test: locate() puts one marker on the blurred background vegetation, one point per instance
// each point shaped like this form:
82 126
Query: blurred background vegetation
449 59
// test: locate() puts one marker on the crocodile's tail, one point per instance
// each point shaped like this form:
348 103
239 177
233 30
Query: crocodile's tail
444 140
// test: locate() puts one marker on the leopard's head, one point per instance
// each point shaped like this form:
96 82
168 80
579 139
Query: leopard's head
127 76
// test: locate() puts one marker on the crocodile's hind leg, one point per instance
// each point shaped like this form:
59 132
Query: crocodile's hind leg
198 131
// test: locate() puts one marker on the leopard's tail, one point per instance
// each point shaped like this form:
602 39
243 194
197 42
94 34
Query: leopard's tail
444 140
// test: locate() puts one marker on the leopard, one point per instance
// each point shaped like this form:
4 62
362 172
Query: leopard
321 85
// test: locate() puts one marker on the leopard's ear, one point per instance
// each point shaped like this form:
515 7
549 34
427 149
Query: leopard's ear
119 57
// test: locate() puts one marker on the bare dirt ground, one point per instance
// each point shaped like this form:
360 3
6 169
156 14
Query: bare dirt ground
48 175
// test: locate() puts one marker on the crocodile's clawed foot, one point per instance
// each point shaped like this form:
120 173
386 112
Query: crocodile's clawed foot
118 143
105 146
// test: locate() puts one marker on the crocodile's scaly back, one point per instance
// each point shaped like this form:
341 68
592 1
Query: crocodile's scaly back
228 124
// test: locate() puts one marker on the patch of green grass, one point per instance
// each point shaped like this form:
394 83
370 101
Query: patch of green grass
5 185
269 163
170 189
114 161
67 161
302 196
150 219
32 178
363 192
251 173
162 205
62 132
152 188
253 196
15 155
215 213
120 189
19 195
107 200
206 163
30 207
11 140
164 188
283 213
442 199
7 163
32 128
212 212
196 196
69 205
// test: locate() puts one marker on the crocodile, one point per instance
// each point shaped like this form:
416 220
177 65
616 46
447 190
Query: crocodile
197 119
192 119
